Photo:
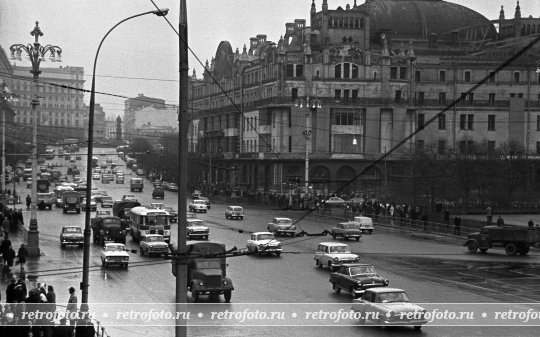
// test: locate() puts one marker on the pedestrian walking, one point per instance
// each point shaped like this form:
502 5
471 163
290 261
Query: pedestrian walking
9 256
28 201
71 308
51 298
21 256
489 215
446 217
10 291
457 225
7 225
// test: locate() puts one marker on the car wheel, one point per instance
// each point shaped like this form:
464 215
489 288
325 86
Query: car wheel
358 239
510 249
63 246
227 295
257 252
483 250
278 254
334 236
241 218
472 246
195 295
318 264
330 266
370 231
417 327
141 251
336 288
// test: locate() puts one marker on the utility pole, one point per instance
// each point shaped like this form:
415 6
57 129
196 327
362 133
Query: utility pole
180 258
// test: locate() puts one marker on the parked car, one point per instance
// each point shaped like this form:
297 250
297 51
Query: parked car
114 254
263 243
195 228
198 206
356 278
234 212
347 230
153 244
334 254
386 306
71 235
282 226
107 201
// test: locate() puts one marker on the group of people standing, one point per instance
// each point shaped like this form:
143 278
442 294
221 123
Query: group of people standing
8 255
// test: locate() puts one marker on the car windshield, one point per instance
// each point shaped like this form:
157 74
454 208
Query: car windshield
284 222
156 220
340 249
154 238
392 297
208 264
72 230
112 223
349 226
363 270
195 223
115 248
106 198
265 237
237 209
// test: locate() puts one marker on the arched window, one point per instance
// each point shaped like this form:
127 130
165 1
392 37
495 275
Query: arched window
374 75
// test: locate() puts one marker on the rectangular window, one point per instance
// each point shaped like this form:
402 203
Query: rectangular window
462 122
355 96
491 100
491 78
470 146
346 70
538 148
294 93
442 98
421 121
344 118
337 94
393 73
467 76
491 122
442 76
337 71
512 95
441 146
520 95
354 71
420 145
344 143
470 99
417 76
470 122
463 147
420 98
491 147
289 72
403 73
398 96
516 77
442 122
299 70
538 123
346 95
463 98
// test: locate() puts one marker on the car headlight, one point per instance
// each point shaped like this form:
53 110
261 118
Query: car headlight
293 228
386 282
147 232
201 283
190 230
166 232
357 259
106 258
279 244
225 282
336 259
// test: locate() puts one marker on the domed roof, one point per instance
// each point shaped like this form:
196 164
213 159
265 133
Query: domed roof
419 18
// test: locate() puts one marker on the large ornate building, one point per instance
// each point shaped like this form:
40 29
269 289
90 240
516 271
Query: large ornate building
342 90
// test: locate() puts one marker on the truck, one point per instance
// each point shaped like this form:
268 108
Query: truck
71 201
207 270
136 184
108 229
515 239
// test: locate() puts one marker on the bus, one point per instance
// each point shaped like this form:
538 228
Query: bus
95 161
144 220
59 193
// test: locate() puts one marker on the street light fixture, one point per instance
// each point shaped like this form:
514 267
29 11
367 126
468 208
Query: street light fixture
36 53
312 104
87 231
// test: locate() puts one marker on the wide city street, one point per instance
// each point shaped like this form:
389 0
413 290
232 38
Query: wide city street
434 270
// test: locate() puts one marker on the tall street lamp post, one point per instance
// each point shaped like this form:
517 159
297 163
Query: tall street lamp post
36 53
87 230
312 104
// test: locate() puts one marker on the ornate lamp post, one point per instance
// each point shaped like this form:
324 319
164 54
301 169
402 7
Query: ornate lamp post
87 230
36 53
312 104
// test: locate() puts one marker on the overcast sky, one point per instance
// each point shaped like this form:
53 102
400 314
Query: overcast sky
141 55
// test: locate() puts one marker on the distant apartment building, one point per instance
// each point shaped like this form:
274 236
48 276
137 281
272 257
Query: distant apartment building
132 105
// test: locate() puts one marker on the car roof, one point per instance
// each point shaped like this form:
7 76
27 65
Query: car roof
114 244
72 227
257 233
334 244
233 206
356 265
148 235
283 219
380 290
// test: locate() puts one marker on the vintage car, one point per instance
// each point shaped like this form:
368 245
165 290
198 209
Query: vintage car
158 192
335 202
107 201
173 214
234 212
114 254
153 244
195 228
157 205
263 243
71 235
119 178
93 205
347 230
206 201
282 226
190 215
356 278
173 187
198 206
364 223
333 254
45 200
129 197
386 306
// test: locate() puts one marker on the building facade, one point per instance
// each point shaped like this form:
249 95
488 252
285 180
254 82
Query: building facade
132 105
360 82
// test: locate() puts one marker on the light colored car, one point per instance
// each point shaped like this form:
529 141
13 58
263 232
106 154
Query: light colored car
206 201
173 187
198 206
333 255
107 201
364 223
335 201
153 244
96 176
129 197
114 254
93 205
191 215
282 226
195 228
389 307
263 243
157 205
234 212
347 230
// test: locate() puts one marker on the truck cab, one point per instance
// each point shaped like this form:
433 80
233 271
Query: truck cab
514 239
71 201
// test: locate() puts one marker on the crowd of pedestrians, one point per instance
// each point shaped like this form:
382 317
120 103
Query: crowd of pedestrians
19 315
